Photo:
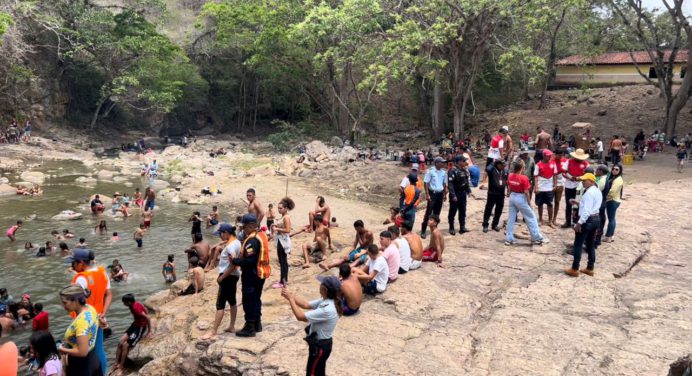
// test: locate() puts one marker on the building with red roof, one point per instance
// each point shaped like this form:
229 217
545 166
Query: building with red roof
614 68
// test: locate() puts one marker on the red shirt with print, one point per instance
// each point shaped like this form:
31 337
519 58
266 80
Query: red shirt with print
518 183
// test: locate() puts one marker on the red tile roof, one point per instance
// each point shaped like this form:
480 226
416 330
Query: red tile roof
640 57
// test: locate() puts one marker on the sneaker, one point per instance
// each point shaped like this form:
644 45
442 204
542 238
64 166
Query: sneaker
507 242
587 271
278 285
572 272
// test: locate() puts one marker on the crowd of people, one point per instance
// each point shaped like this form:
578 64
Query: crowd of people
512 177
15 133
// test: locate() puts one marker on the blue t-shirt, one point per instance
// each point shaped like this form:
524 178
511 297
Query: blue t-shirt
322 318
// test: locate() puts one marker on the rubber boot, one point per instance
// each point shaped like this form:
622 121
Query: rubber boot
258 326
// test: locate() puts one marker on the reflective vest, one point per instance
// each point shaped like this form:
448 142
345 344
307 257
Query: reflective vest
264 270
97 283
411 193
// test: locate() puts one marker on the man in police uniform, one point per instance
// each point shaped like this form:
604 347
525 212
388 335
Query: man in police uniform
459 189
252 255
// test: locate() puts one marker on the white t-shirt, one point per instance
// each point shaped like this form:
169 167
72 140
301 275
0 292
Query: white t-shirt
599 146
379 266
404 182
322 318
494 153
404 253
231 251
82 281
544 185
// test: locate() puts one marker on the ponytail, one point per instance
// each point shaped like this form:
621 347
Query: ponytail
336 297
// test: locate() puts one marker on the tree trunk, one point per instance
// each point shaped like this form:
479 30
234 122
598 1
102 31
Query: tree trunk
96 113
343 115
550 68
436 110
675 106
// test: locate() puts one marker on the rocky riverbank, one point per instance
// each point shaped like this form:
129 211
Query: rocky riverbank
492 310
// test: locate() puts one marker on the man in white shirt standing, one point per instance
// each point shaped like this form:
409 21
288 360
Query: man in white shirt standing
586 227
599 149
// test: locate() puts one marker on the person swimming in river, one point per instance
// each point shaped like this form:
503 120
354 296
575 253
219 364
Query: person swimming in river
147 215
67 234
64 249
56 235
118 274
115 237
12 231
213 217
125 209
101 228
139 235
82 243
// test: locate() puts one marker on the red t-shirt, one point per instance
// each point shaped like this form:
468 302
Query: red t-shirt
546 170
518 183
40 322
576 167
138 311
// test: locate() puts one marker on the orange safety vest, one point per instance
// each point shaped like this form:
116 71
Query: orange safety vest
264 270
97 283
410 194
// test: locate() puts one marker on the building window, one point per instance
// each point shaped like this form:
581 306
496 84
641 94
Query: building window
652 73
683 72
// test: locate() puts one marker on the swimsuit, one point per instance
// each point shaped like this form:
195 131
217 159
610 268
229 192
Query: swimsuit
139 243
353 253
348 311
11 230
429 254
213 221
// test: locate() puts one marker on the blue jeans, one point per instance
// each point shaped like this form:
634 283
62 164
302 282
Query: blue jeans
100 351
611 209
586 235
518 203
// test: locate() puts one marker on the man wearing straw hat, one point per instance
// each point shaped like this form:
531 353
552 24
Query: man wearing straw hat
587 225
576 167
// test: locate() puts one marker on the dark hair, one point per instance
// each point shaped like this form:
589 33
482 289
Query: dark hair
395 209
336 296
287 203
198 237
435 218
128 299
195 213
20 222
618 166
408 225
214 207
44 347
318 218
38 307
358 223
385 234
54 232
82 240
194 261
345 270
320 200
373 248
171 258
251 190
517 166
393 230
271 205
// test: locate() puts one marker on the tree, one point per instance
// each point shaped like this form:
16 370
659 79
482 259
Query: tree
650 32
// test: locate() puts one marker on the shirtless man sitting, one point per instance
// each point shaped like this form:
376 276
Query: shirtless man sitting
351 291
360 248
200 249
321 209
437 244
254 206
415 242
196 276
321 243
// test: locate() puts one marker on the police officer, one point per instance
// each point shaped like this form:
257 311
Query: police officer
254 267
459 189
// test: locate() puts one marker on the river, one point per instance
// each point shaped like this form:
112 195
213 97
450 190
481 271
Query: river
21 272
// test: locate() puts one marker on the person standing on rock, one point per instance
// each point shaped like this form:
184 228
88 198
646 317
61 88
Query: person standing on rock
405 182
254 207
139 329
520 202
435 191
545 176
282 231
227 280
560 163
255 269
459 190
497 184
495 148
573 169
613 198
543 141
410 198
322 319
587 226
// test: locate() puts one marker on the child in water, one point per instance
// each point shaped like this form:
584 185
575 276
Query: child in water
64 249
101 228
115 237
139 235
118 274
67 234
168 270
12 231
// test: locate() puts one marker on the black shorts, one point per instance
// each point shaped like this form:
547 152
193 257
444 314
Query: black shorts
134 334
227 290
544 198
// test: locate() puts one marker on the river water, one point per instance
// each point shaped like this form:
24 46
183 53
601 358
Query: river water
21 272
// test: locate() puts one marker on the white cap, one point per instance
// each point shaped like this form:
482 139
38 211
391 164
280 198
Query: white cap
414 166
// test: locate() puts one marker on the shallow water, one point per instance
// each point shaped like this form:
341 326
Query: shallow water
21 272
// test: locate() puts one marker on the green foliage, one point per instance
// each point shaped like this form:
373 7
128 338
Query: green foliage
290 135
5 22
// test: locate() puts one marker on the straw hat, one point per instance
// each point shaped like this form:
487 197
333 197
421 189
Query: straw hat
579 154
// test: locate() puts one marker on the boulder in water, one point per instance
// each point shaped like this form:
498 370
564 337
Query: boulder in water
67 215
7 190
33 177
159 184
105 175
85 180
4 180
